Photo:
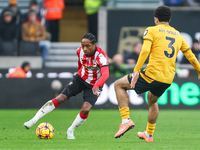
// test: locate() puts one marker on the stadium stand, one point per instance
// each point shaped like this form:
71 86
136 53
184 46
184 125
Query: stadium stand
29 48
11 62
9 48
62 54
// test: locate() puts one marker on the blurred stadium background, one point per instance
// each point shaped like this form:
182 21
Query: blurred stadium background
121 24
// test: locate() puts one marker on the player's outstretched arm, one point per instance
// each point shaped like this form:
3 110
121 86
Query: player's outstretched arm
141 60
102 79
143 55
193 60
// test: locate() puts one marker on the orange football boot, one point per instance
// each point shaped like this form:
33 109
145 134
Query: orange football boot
142 135
123 128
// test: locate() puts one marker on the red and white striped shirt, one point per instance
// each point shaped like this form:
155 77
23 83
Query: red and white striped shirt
89 66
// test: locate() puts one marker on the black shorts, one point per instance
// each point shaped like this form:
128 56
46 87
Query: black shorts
77 85
155 87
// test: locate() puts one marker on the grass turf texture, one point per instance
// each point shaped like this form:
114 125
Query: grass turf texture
175 129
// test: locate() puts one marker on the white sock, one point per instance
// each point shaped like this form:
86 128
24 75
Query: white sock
147 134
45 109
77 122
125 121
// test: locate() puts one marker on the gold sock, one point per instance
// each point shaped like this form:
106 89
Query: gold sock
150 128
124 112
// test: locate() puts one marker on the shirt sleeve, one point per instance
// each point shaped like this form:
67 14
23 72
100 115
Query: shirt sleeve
143 55
148 34
190 56
104 76
185 47
102 60
79 62
193 60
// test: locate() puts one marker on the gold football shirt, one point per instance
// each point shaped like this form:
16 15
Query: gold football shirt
162 44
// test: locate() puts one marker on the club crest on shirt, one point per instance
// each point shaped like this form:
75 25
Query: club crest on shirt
145 32
70 83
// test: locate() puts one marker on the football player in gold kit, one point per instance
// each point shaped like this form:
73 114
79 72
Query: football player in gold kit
162 44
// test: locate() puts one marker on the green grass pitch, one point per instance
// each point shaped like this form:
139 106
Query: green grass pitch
175 129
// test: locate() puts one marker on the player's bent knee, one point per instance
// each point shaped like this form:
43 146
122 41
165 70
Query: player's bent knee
152 98
117 83
61 98
85 111
86 108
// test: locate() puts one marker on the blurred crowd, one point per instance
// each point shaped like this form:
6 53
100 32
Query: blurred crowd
39 26
32 32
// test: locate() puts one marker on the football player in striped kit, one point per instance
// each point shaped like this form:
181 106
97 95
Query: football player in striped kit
93 71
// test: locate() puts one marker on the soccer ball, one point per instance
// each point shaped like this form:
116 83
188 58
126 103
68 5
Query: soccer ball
45 131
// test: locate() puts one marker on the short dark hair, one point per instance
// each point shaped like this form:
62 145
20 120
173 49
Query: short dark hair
163 13
90 36
25 64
